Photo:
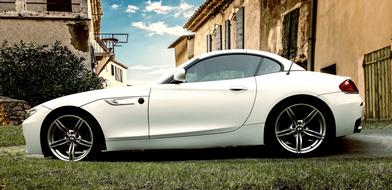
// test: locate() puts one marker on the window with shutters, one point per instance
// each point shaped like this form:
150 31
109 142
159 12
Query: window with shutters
59 5
227 35
233 32
218 37
209 43
290 34
240 28
118 74
112 69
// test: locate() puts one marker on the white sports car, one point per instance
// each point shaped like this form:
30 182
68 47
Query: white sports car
225 98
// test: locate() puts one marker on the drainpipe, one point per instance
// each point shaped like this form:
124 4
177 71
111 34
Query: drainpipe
312 38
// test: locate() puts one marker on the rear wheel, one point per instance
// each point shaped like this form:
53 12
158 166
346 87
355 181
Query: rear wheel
71 137
299 128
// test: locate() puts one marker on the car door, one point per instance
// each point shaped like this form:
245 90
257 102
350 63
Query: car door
217 97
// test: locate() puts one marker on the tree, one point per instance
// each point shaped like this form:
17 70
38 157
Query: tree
38 73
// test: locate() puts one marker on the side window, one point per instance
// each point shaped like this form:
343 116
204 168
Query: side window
224 67
268 66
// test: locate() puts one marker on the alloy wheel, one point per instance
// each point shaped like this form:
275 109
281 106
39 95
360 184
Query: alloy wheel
300 128
70 138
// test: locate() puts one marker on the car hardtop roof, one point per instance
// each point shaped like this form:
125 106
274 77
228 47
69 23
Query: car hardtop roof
286 63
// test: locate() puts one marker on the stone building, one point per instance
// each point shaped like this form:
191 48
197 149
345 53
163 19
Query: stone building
73 22
114 72
350 38
76 23
183 48
278 26
107 67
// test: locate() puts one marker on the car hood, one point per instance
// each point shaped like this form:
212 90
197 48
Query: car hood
84 98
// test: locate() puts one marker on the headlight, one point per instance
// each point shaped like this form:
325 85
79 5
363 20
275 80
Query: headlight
32 111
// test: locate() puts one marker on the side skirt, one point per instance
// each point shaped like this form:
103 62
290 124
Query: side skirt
245 136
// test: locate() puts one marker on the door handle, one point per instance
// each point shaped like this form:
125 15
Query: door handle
238 89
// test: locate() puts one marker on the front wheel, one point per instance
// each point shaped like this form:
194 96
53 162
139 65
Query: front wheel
299 128
71 138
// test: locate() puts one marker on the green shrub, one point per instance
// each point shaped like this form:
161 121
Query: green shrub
38 73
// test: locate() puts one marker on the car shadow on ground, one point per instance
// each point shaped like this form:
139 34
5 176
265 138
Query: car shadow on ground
186 154
337 149
353 146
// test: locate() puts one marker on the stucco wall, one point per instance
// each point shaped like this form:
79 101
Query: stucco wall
181 53
347 30
42 31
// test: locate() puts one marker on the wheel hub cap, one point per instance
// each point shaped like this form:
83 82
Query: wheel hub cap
71 136
300 126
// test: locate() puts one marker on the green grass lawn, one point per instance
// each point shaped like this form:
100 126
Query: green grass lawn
377 125
20 172
11 136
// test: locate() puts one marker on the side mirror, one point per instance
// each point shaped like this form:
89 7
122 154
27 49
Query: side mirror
179 75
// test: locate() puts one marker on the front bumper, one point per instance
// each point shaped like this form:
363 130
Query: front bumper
32 130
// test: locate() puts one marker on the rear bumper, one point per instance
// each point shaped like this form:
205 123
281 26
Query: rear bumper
358 126
347 110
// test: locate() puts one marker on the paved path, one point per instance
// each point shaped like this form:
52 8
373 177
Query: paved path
368 143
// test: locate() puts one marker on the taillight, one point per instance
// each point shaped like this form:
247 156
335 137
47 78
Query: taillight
348 87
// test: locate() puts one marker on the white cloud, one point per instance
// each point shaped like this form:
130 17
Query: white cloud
161 71
140 67
143 74
183 9
115 6
131 9
154 69
157 7
160 28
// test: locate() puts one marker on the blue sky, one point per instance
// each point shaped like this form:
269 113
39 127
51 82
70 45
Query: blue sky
152 26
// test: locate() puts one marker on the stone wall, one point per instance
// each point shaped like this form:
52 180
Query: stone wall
12 112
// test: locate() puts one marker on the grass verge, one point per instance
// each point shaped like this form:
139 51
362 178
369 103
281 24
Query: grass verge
377 124
11 136
322 173
20 172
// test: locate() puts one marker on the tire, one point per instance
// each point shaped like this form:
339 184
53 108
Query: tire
299 128
71 137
